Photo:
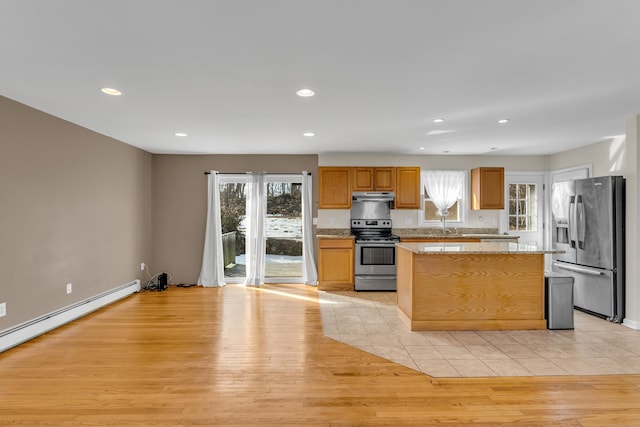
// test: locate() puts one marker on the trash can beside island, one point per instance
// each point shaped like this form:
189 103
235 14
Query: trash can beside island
558 308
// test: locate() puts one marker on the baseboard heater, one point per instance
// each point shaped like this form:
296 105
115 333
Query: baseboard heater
23 332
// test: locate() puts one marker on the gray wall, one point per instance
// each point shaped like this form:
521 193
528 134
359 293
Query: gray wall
180 203
75 208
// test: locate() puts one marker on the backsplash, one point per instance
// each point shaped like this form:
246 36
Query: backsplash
408 219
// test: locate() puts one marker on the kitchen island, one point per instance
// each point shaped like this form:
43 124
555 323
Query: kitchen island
471 286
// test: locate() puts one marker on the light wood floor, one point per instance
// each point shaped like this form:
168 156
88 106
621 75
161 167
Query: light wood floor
243 356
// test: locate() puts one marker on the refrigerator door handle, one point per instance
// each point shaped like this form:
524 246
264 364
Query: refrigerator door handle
578 269
572 224
580 221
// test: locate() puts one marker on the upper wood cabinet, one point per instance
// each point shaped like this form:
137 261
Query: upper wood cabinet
487 188
374 179
334 187
407 187
336 183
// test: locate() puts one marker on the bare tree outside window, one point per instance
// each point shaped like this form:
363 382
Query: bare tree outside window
523 213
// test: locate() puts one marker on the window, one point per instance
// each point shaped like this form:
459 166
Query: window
429 215
523 213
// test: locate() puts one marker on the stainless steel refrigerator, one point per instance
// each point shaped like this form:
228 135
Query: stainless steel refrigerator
588 224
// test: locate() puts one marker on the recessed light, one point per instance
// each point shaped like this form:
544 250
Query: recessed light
181 134
111 91
503 121
439 132
438 120
494 148
420 148
305 93
309 134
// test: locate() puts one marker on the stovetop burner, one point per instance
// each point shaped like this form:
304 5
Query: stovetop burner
373 231
375 239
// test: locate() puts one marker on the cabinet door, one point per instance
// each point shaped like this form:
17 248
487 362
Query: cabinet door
363 179
487 188
334 188
374 179
384 179
335 265
407 187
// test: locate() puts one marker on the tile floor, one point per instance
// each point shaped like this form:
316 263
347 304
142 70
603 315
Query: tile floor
369 321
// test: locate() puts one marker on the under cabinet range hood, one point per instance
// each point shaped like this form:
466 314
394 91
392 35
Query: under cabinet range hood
372 204
373 196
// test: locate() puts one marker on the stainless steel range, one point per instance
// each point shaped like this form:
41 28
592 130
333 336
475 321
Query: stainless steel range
375 249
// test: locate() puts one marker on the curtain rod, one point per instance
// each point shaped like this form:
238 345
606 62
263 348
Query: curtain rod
240 173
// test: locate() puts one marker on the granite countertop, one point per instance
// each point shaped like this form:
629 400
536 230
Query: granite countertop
334 236
451 233
475 248
457 236
334 233
422 233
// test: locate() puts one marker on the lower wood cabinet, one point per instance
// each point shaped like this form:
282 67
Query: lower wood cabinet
335 264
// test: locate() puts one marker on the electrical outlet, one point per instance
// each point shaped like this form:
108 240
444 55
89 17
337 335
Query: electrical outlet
69 288
142 266
3 309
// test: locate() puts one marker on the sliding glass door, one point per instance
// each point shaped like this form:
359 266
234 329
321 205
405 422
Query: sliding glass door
283 227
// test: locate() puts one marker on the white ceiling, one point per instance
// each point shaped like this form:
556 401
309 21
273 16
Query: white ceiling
566 72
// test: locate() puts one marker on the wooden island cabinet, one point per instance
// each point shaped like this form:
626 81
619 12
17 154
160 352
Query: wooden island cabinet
470 286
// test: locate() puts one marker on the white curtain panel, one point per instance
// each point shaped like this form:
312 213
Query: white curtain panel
212 271
309 271
256 239
444 188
